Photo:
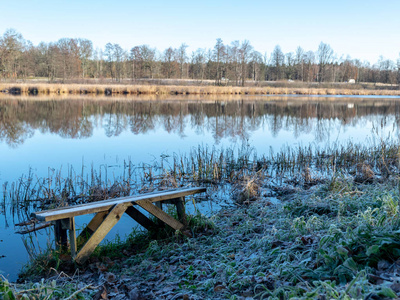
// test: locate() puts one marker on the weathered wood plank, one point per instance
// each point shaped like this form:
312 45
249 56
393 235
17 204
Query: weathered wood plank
159 204
91 227
72 237
160 224
106 205
112 218
160 214
33 227
140 218
180 209
60 234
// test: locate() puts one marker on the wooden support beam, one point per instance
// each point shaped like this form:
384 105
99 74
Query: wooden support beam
60 233
160 224
91 227
160 214
180 210
112 218
158 204
140 218
72 237
33 227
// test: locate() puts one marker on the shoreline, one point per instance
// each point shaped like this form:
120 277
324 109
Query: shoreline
257 248
37 89
314 234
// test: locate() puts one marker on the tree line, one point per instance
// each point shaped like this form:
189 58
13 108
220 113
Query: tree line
234 64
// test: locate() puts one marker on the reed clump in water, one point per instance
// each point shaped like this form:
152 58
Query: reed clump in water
300 167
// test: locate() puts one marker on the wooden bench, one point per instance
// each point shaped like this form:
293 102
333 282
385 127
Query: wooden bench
109 212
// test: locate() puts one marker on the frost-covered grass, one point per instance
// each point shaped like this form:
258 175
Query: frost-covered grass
293 249
336 241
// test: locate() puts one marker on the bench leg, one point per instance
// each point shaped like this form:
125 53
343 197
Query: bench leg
91 227
72 237
60 234
159 204
110 220
61 237
180 209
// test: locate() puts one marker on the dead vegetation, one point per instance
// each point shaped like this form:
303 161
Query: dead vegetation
128 89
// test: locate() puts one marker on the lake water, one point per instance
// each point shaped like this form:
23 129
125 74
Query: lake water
42 135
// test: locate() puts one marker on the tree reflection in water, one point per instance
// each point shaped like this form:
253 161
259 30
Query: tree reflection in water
235 119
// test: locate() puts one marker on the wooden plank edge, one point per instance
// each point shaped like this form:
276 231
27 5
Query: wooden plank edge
105 205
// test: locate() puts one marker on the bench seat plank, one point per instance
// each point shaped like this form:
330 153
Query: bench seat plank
106 205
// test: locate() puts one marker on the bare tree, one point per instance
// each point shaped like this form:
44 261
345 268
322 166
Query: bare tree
85 53
182 57
169 62
136 58
325 57
386 68
256 63
290 64
109 55
299 61
148 55
244 54
398 71
219 50
309 66
198 64
234 61
119 55
11 46
278 60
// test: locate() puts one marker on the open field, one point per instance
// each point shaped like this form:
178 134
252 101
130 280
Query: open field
127 89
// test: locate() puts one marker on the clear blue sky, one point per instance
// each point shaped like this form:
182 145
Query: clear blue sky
362 29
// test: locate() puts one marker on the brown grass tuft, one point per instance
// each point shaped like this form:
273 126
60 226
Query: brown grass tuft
247 190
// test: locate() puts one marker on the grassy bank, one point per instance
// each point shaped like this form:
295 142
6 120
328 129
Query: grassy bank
303 223
122 89
333 241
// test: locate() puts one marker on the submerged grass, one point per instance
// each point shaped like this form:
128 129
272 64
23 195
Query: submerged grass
302 166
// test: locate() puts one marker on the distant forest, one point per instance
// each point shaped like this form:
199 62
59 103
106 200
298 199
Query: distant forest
236 63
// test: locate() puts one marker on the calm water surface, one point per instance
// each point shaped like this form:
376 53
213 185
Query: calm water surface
45 135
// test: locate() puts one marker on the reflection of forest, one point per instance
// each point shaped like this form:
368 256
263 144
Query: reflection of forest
77 118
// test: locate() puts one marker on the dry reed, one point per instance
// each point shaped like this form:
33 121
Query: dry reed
121 89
